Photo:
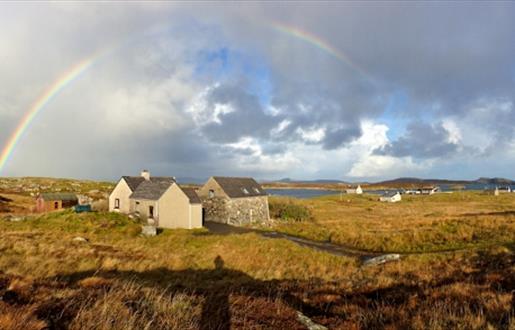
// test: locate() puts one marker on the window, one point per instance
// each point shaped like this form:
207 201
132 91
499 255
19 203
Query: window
151 212
211 193
245 191
117 203
56 205
256 190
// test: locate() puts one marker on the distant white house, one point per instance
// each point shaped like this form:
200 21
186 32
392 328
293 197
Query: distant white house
427 190
356 190
391 197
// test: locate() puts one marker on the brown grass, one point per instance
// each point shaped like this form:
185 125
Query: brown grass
417 223
196 280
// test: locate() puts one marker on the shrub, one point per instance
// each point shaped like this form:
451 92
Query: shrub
133 230
100 205
288 209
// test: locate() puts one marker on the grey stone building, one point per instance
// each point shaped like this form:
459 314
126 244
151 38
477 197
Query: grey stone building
234 201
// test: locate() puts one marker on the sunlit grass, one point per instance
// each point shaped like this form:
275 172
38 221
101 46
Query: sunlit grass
416 224
119 279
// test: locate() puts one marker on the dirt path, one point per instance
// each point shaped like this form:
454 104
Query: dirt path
335 249
339 250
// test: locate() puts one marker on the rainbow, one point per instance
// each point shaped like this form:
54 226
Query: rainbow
318 43
39 104
75 71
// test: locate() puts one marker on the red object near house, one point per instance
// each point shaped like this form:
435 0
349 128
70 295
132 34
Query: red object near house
47 202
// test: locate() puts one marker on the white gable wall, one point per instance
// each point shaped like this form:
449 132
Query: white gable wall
122 192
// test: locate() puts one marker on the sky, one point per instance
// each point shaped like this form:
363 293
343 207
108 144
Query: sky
356 91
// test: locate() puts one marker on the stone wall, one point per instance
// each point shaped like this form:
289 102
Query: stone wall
236 211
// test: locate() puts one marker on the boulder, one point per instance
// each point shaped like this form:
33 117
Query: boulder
308 323
149 230
382 259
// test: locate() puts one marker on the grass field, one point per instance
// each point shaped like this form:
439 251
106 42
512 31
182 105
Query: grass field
416 224
197 280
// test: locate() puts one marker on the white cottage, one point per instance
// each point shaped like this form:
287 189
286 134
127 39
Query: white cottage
119 200
355 190
391 197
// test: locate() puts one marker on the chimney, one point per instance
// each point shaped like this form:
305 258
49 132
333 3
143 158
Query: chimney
145 174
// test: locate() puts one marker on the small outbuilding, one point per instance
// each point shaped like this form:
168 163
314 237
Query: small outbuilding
47 202
391 197
234 201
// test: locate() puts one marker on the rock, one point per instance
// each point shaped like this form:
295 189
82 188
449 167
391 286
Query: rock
80 239
13 218
149 230
382 259
308 323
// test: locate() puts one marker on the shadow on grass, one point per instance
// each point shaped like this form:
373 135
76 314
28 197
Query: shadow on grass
5 199
215 286
496 213
449 298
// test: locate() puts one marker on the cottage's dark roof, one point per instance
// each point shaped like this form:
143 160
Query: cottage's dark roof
240 187
151 189
192 195
134 181
59 196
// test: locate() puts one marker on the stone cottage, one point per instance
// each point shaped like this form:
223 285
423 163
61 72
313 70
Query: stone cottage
234 201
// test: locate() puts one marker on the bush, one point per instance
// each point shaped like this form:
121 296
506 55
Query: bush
287 209
100 205
133 230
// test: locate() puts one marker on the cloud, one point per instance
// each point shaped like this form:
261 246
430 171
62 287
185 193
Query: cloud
375 166
228 113
422 140
195 89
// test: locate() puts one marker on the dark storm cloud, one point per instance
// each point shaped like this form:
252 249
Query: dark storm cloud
247 117
421 140
338 137
441 54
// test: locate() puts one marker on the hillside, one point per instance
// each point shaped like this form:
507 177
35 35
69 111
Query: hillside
404 182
